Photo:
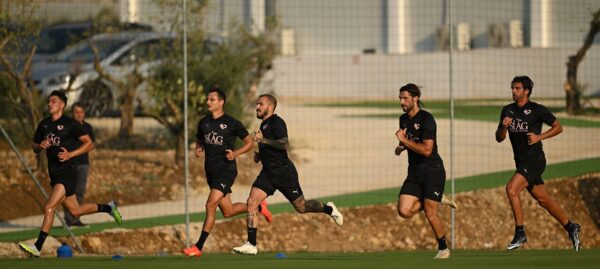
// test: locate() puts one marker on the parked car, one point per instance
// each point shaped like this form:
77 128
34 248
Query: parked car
119 54
56 38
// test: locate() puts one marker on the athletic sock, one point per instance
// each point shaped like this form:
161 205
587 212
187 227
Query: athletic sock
259 208
252 235
203 237
104 208
568 225
519 229
442 243
327 209
41 239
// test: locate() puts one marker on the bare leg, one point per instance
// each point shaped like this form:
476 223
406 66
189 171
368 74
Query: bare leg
408 205
229 210
514 187
541 195
431 210
212 202
56 198
305 206
77 210
256 197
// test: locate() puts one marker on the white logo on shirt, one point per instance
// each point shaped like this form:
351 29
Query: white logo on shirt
60 127
436 193
417 126
519 126
265 126
527 111
223 126
213 139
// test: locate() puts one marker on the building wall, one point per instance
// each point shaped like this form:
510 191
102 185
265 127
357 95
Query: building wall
484 73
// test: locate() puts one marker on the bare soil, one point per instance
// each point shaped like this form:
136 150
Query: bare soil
128 176
483 221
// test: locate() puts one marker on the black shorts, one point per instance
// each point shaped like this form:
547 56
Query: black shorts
67 176
428 184
532 171
284 180
221 178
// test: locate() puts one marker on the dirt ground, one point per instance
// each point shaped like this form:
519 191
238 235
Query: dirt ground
483 221
130 177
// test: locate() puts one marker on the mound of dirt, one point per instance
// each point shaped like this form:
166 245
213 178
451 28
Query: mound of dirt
130 177
483 221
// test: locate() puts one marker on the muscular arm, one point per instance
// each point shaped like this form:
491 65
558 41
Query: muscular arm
248 143
555 129
501 134
282 143
425 148
87 145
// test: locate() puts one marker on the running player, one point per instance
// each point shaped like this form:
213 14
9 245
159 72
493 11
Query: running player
60 136
216 137
278 173
423 188
523 120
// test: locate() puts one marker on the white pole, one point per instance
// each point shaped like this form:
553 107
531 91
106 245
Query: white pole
185 125
450 80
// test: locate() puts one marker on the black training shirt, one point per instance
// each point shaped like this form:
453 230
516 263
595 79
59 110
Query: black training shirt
418 128
63 132
526 119
217 136
273 128
84 158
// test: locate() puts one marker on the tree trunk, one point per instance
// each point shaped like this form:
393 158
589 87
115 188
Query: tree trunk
573 93
180 147
127 113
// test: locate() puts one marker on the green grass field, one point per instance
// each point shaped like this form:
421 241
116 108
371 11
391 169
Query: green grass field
461 259
381 196
463 110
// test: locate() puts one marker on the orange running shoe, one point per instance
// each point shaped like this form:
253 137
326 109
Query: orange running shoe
192 251
265 211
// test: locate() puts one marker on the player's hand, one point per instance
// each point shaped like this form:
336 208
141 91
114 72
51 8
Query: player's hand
199 150
399 149
506 122
258 136
45 144
533 138
230 154
256 157
64 155
401 135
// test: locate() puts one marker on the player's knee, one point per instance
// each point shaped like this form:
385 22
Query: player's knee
404 212
300 209
75 213
542 201
226 214
49 209
511 191
211 206
252 204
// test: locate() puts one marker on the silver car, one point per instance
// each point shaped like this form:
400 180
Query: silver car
119 54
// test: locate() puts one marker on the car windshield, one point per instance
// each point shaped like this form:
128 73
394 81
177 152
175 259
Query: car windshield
56 40
84 53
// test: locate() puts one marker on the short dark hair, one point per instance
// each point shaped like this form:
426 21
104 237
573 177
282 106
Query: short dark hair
525 81
220 93
413 90
271 99
61 95
77 104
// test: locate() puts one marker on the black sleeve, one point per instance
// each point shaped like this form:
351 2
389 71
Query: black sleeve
546 116
429 128
90 131
279 129
77 130
39 135
239 130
